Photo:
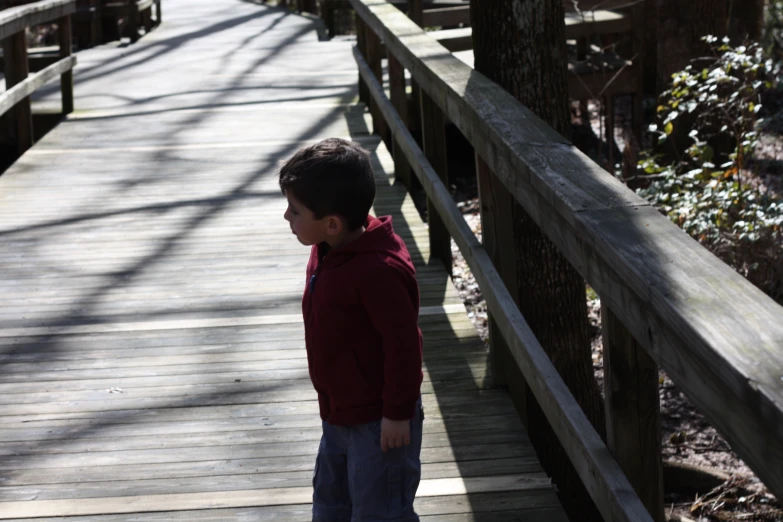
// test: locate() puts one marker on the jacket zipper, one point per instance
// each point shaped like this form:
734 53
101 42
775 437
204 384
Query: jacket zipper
311 285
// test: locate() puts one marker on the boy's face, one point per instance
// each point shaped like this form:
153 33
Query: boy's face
308 229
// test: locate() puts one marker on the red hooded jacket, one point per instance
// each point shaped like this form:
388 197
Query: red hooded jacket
361 308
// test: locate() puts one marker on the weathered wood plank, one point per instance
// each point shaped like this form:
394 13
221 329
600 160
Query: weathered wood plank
536 506
116 488
262 497
231 466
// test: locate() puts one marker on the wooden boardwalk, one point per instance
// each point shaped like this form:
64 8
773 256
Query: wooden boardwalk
151 346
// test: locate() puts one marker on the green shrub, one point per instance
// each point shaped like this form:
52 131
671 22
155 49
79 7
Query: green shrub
705 192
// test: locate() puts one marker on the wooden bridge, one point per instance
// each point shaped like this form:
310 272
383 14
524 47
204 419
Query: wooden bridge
151 346
152 364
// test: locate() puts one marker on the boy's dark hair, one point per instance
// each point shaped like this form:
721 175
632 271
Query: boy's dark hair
333 176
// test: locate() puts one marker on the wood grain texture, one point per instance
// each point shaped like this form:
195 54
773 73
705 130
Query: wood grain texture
700 321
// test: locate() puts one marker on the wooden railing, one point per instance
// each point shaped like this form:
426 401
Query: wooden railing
666 300
101 21
19 83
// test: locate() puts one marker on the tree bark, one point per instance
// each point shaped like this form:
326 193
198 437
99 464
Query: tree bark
520 44
681 25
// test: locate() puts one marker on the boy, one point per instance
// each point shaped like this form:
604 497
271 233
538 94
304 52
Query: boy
360 306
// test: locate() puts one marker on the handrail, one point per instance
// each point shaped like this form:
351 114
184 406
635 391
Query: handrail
18 18
19 83
718 337
25 88
606 483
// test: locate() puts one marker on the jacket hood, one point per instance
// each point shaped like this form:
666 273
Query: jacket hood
378 237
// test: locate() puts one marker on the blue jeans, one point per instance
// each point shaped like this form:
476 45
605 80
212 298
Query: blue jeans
354 481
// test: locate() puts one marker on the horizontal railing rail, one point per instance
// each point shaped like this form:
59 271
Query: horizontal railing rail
719 338
16 19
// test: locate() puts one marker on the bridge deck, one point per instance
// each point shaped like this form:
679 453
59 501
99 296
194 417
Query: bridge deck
151 348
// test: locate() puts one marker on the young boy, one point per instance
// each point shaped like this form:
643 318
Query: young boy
360 306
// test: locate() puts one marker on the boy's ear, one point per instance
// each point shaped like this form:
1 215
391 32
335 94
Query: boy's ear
334 225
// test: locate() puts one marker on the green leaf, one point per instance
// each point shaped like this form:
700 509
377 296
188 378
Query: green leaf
669 128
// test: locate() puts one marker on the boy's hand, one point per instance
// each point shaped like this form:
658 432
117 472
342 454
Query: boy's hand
395 434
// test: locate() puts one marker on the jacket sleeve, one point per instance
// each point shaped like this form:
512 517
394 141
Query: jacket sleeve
391 298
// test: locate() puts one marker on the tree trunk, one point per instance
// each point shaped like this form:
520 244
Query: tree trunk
681 25
520 44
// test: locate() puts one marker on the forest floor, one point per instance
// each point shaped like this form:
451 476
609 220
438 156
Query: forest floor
688 440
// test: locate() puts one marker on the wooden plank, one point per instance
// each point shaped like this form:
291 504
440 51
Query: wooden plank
262 497
239 439
256 396
231 466
151 325
87 490
16 19
634 266
152 431
23 89
446 16
534 505
604 480
633 425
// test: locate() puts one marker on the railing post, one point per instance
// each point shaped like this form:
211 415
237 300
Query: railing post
416 11
497 232
399 99
361 44
373 55
327 13
96 22
433 125
146 17
66 79
16 70
133 20
633 427
158 13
